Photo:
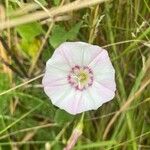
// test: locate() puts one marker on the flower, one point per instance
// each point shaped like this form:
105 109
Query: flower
79 77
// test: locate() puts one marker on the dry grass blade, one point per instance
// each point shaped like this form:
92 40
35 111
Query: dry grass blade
25 9
53 12
128 141
29 129
2 13
146 82
124 107
40 50
56 19
20 85
43 42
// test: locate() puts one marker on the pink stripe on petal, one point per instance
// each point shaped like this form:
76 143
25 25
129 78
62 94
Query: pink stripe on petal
76 102
102 56
92 100
60 81
67 102
109 84
52 92
66 57
104 85
102 93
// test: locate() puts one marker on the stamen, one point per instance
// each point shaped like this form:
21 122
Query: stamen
80 77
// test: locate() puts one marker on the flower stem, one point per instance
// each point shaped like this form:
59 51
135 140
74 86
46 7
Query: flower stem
75 134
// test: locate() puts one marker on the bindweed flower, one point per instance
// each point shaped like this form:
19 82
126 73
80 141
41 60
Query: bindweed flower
79 77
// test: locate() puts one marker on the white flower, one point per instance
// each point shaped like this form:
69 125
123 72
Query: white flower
79 77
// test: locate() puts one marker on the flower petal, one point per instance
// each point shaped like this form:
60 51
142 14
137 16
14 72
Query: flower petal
58 63
78 53
100 94
67 98
103 70
101 63
106 78
52 92
80 102
56 72
70 100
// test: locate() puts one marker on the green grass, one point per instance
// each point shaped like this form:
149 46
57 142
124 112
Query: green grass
28 120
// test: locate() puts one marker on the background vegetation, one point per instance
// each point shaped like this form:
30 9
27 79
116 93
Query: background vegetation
30 30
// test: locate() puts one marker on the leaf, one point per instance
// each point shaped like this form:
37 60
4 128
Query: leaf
56 2
60 35
31 47
72 34
29 31
47 53
62 117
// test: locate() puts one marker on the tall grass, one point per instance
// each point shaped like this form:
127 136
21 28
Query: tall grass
30 30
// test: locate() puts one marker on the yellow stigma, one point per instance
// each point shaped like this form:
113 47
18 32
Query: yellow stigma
82 77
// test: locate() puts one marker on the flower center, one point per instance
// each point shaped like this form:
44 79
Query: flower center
80 77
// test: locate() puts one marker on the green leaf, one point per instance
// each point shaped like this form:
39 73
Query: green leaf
60 35
29 31
72 34
47 53
56 2
62 117
31 47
